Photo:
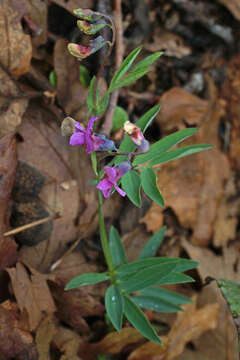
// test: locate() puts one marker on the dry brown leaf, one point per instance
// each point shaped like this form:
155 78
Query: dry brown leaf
112 343
172 44
70 5
193 186
71 93
134 242
32 294
44 336
189 325
233 6
11 115
14 341
45 150
178 108
38 15
8 162
67 341
16 48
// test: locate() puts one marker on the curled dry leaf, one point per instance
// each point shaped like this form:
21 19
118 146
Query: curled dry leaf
32 293
8 162
67 341
14 341
189 325
11 115
16 48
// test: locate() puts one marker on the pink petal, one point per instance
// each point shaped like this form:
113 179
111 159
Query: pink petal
104 184
111 173
78 127
90 124
77 139
120 191
89 144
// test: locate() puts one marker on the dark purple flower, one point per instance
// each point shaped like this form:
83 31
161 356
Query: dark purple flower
86 137
111 176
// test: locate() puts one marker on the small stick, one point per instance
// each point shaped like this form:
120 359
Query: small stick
30 225
107 125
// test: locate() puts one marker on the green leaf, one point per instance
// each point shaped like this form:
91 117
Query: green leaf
137 318
151 247
131 185
130 78
143 123
148 61
134 267
155 304
53 78
102 104
114 306
124 67
147 277
116 248
86 279
149 185
90 97
231 292
166 295
179 153
165 144
84 76
175 278
119 118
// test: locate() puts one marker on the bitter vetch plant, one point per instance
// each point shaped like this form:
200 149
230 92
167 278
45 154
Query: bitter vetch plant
133 285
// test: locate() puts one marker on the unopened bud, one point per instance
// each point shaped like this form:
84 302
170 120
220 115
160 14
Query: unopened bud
144 147
81 52
124 167
88 28
134 132
87 14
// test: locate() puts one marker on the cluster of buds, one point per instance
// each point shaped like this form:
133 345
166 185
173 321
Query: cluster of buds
91 22
99 142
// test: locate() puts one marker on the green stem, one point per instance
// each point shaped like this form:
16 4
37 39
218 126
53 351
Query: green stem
103 234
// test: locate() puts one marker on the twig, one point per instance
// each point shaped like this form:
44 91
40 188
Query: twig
30 225
107 125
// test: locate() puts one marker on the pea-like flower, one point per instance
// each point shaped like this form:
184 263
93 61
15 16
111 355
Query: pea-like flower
136 136
111 176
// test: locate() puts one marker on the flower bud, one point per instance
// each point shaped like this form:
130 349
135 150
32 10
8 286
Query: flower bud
81 52
144 147
124 167
87 14
88 28
134 132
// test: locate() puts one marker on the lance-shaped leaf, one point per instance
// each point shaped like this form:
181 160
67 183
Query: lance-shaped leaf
231 292
130 78
86 279
147 61
166 295
149 185
175 278
119 117
131 185
137 318
114 306
178 153
116 248
84 76
147 277
155 304
87 14
90 97
151 247
165 144
90 29
124 67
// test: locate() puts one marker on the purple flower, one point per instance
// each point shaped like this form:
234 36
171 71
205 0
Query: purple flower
111 176
86 137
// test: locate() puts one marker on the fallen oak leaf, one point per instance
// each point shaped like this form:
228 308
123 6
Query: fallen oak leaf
32 293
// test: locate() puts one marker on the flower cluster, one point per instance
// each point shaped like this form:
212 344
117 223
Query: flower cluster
99 142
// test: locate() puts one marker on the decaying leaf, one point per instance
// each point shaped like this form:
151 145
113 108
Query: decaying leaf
15 342
67 341
70 5
16 49
233 6
32 293
11 115
190 324
44 336
8 162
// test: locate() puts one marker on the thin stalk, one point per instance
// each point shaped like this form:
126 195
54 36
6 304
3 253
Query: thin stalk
103 234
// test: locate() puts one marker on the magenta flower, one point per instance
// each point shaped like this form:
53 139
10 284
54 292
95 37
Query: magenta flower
111 176
86 137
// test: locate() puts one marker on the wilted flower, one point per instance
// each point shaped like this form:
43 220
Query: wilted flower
81 52
111 176
137 136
